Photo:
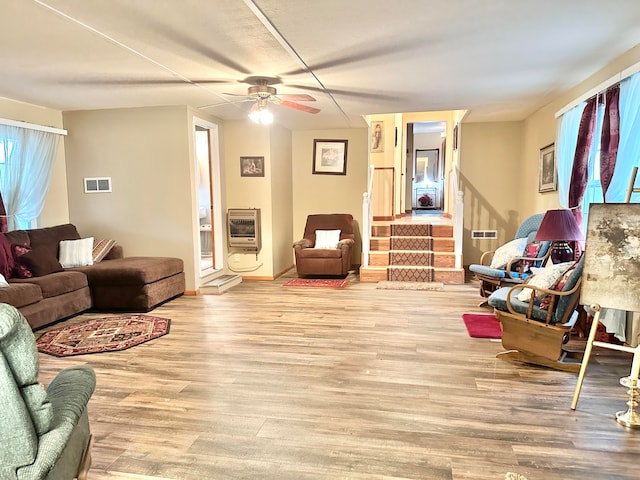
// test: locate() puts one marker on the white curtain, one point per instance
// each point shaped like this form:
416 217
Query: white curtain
629 146
566 149
25 174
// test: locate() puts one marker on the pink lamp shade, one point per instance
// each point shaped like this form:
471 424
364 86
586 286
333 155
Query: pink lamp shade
560 227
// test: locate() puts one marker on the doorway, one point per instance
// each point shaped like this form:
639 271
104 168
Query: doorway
426 165
208 196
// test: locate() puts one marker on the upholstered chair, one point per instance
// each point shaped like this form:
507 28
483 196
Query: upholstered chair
44 433
492 276
325 249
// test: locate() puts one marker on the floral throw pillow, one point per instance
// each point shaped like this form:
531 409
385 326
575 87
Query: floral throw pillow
509 251
20 270
547 278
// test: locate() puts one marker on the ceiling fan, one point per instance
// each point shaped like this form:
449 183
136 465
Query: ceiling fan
262 94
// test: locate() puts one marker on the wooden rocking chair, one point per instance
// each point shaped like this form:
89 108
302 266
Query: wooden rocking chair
536 335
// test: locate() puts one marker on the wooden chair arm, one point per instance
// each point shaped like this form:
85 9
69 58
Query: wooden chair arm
488 255
554 294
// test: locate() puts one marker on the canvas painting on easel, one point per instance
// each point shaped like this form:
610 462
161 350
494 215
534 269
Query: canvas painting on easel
611 275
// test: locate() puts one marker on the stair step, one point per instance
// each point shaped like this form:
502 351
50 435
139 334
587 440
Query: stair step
373 274
379 243
220 284
449 275
379 259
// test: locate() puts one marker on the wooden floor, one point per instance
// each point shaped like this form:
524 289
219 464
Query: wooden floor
291 383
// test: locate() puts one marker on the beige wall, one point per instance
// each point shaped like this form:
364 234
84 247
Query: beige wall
281 199
245 138
492 183
329 193
56 207
148 154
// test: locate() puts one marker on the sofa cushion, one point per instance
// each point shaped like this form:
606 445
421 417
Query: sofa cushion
20 294
131 270
48 239
56 283
39 262
319 253
19 269
18 236
498 300
101 249
76 253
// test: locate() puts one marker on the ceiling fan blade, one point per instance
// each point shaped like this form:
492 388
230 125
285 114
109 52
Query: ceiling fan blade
348 93
236 94
298 106
295 97
168 30
141 81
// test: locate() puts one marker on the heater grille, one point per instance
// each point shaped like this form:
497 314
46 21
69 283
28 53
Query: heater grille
484 234
97 185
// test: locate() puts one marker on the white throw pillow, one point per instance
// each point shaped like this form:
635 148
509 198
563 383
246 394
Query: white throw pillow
547 278
3 282
76 253
327 238
509 251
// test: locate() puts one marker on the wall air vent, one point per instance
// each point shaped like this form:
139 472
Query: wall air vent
97 185
484 234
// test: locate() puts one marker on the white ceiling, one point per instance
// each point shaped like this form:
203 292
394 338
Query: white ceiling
501 59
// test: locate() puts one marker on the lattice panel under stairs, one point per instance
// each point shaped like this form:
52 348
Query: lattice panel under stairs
415 258
411 230
411 243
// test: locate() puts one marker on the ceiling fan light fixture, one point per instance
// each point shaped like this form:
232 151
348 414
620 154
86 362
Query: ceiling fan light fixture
261 115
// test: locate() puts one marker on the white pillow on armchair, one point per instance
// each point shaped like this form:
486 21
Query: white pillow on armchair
327 238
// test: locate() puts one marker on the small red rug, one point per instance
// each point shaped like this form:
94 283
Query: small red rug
317 282
482 325
98 335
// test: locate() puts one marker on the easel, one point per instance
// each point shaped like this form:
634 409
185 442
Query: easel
631 189
606 285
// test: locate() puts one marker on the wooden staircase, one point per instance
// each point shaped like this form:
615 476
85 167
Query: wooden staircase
412 252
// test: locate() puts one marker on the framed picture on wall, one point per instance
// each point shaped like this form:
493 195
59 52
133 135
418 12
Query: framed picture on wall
377 137
252 166
547 173
330 157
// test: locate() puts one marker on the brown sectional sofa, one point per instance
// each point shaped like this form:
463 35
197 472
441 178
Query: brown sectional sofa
117 283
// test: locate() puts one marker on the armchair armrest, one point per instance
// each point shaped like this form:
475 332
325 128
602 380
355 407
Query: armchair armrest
345 244
304 243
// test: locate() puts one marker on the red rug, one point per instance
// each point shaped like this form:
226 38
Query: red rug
98 335
316 282
482 325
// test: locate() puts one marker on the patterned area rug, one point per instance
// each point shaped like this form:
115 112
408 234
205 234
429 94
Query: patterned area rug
482 325
317 282
98 335
389 285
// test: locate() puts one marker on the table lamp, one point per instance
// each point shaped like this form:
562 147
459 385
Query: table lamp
560 227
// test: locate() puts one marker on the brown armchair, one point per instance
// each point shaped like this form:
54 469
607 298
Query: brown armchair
336 261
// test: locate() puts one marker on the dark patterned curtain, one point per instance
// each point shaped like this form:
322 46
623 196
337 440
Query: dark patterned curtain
4 224
580 170
609 138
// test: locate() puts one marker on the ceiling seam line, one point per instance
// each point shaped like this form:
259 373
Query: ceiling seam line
275 33
126 47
